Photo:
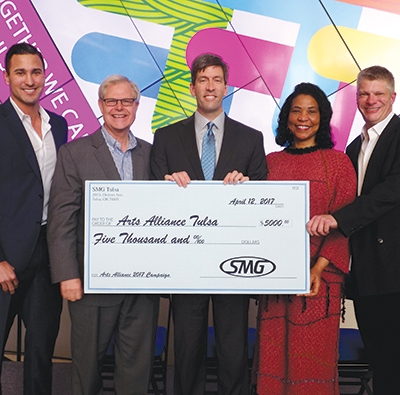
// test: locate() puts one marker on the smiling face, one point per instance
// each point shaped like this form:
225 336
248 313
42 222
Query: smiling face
118 119
209 90
303 121
374 100
26 80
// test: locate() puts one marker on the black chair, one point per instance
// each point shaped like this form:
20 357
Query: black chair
353 365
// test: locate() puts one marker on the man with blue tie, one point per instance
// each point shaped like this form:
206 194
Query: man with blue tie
209 146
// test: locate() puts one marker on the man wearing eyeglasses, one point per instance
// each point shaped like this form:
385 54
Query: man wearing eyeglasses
111 153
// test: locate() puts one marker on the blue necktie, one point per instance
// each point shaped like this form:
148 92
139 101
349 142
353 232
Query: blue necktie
208 153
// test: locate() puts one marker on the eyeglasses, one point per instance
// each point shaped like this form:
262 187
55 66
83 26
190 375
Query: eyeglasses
113 102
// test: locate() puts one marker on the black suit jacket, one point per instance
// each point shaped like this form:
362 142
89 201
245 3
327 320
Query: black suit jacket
21 197
373 220
21 188
175 149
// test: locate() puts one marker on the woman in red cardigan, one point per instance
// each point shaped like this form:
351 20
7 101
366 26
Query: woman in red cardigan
299 334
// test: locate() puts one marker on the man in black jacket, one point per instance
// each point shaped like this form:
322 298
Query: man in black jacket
177 155
372 222
29 140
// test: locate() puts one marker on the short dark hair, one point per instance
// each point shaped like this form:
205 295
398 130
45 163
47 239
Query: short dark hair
205 60
323 138
21 49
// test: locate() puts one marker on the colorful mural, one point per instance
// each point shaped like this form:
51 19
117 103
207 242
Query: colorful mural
270 46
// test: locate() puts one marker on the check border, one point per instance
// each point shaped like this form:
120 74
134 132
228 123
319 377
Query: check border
145 195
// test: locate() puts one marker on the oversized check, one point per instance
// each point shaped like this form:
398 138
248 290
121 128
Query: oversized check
155 237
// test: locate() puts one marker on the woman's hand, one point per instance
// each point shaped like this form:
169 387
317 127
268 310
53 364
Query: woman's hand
315 276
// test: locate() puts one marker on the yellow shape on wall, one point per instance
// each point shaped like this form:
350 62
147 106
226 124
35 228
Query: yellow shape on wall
333 53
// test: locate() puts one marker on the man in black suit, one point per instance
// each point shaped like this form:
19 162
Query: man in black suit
29 140
110 153
372 222
238 155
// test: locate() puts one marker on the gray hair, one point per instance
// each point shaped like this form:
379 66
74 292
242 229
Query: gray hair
117 79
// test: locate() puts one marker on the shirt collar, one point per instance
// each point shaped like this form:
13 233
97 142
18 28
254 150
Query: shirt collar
379 127
200 121
43 114
113 143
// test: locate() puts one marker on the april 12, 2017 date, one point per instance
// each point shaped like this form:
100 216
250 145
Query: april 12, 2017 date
251 200
276 222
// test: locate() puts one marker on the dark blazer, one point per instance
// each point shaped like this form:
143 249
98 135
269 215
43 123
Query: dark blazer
175 149
87 158
373 220
21 202
21 188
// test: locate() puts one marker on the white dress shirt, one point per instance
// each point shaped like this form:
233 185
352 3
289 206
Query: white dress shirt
369 139
45 151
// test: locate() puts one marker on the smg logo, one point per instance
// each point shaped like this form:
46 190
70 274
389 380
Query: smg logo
247 266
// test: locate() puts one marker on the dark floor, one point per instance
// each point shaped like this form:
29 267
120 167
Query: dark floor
12 380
